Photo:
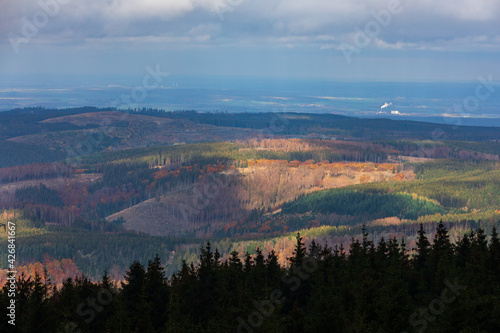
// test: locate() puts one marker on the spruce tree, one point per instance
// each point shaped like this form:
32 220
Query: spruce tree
299 253
423 248
156 292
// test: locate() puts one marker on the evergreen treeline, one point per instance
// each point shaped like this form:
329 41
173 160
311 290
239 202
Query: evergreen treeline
305 123
92 251
350 202
28 121
17 153
438 287
40 194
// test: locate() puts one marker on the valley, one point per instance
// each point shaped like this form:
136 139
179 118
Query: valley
114 180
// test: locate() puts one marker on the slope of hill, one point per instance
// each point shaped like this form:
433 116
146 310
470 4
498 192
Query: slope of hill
216 201
110 176
115 130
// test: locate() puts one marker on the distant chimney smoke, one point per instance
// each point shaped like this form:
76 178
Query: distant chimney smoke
385 105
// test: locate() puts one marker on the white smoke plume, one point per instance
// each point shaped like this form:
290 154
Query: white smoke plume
385 105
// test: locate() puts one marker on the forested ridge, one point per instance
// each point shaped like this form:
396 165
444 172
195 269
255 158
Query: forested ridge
38 135
370 287
99 188
252 197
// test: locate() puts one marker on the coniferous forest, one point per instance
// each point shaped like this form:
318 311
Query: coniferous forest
438 286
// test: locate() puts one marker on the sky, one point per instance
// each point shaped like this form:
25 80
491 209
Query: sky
365 40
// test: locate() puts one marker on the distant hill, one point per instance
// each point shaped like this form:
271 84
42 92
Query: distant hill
47 135
93 185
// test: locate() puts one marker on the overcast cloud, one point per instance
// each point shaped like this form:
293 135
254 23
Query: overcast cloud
318 28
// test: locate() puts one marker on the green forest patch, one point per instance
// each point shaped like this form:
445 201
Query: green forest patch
364 203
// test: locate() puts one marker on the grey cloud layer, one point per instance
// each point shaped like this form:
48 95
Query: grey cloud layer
424 24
